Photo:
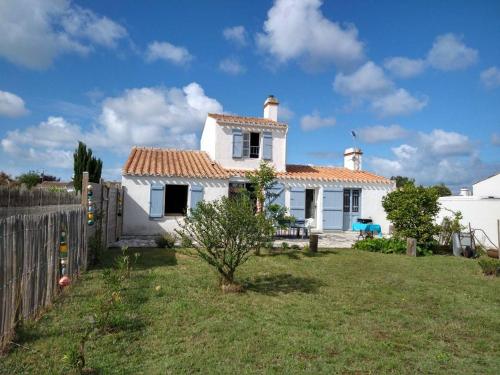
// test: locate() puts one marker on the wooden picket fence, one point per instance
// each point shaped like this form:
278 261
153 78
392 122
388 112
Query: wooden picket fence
29 262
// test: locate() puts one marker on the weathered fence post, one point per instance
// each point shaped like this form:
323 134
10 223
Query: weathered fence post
313 243
85 183
411 247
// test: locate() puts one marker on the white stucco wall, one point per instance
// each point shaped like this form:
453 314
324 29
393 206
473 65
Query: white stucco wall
208 137
371 199
489 187
136 220
480 213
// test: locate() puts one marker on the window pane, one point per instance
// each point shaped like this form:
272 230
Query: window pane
347 201
355 201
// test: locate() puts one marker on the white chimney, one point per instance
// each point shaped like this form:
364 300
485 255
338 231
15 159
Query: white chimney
352 159
465 192
271 108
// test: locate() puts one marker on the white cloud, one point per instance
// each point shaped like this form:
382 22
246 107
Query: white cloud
450 53
34 32
232 66
168 52
157 116
297 29
236 34
495 139
367 81
11 105
285 113
315 121
380 133
399 102
490 77
50 143
438 156
165 117
403 67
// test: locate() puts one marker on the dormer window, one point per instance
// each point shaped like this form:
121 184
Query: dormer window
247 145
251 145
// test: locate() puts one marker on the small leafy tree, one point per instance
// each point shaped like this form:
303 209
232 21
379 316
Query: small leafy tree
263 180
30 179
442 190
224 233
412 210
402 181
83 161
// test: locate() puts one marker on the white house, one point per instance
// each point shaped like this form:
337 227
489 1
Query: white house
479 208
162 184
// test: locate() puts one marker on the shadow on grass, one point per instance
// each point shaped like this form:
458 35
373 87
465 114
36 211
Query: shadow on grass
148 258
282 283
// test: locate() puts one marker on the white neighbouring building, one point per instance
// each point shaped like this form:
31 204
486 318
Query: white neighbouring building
480 208
161 185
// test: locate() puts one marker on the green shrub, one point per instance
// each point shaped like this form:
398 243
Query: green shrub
166 241
390 246
295 246
186 242
285 245
490 266
306 248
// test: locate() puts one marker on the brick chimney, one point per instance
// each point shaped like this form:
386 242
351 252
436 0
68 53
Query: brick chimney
271 108
353 158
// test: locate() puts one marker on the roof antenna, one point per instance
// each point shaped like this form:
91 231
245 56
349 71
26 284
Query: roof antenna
354 139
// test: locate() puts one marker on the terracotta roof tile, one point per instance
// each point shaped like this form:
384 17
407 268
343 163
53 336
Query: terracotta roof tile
144 161
241 120
320 173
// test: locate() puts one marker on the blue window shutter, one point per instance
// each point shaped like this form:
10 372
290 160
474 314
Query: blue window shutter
267 153
278 189
333 208
156 201
237 143
298 203
196 195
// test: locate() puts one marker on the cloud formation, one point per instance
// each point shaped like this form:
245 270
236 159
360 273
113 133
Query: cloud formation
315 121
438 156
449 52
403 67
150 116
11 105
369 83
381 133
168 52
490 77
298 30
232 66
33 33
236 35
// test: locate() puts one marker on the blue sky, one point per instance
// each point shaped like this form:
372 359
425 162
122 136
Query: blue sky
418 81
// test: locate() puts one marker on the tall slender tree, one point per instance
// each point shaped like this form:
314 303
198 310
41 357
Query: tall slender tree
84 161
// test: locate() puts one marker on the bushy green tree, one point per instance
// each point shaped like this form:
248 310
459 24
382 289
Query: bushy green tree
224 233
30 179
83 161
442 190
402 181
412 210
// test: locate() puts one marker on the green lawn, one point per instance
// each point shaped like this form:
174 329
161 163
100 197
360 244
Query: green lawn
342 311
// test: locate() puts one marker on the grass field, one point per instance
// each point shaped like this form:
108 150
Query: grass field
341 311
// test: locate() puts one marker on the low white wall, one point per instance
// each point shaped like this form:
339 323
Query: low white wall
480 213
136 220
